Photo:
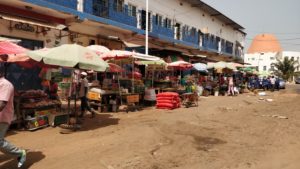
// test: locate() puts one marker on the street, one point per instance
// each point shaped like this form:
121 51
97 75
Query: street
240 132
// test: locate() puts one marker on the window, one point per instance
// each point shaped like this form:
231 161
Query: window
186 30
253 58
131 10
193 32
249 59
118 5
292 58
272 58
158 20
168 23
272 68
265 68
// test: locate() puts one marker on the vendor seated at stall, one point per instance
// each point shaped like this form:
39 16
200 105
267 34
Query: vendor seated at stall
52 90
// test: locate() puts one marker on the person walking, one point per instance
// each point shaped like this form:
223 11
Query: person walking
230 86
83 95
6 117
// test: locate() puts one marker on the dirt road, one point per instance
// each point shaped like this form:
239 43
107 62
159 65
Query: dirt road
240 132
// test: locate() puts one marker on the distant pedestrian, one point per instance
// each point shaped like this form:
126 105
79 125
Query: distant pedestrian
230 86
272 81
6 117
83 95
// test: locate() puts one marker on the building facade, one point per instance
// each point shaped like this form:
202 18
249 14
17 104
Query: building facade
189 26
265 50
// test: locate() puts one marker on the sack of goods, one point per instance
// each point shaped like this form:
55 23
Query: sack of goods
167 100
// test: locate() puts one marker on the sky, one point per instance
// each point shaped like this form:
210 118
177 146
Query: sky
279 17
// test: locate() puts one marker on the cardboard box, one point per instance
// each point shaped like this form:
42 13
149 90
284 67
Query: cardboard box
133 99
94 96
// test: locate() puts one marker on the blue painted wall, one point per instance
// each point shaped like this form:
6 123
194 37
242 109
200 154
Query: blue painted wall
88 6
124 21
162 30
67 3
190 38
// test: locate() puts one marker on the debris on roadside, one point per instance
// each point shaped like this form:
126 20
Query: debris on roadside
275 116
263 99
262 93
225 109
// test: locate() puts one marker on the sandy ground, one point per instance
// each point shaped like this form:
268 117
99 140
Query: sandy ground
222 133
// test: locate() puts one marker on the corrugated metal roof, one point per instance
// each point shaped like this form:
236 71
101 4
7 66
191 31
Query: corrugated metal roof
213 12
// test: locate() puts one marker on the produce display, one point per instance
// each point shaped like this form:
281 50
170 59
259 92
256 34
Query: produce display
43 103
33 94
36 99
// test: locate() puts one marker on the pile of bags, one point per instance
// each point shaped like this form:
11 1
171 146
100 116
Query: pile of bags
167 100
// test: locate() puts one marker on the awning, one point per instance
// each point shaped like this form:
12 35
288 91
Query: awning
32 22
9 40
131 45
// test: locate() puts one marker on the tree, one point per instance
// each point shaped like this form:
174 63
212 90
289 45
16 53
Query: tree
286 68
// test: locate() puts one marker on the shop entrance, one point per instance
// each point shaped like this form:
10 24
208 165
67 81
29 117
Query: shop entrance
21 78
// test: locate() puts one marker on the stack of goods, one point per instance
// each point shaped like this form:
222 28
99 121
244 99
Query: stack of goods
167 100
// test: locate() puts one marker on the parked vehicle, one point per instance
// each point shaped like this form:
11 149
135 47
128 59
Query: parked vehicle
297 80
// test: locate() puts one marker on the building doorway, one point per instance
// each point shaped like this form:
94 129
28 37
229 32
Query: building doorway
101 8
143 20
200 38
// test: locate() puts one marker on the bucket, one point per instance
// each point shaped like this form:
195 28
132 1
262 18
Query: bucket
150 94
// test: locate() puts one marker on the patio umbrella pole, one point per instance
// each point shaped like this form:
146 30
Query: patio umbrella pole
152 78
120 93
132 87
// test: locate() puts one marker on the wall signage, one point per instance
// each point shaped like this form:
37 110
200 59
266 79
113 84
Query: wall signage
24 27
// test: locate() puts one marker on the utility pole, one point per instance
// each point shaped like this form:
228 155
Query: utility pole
147 28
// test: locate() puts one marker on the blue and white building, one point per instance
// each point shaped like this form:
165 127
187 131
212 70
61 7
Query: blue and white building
191 27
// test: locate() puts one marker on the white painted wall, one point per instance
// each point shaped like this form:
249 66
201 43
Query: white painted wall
292 54
192 16
262 60
266 59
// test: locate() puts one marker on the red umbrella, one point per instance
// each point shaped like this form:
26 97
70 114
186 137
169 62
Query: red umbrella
7 48
11 52
181 65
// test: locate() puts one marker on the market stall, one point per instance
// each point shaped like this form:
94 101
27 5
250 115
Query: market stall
125 87
70 56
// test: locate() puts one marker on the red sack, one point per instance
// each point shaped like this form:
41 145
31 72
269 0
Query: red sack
168 94
168 105
167 97
167 101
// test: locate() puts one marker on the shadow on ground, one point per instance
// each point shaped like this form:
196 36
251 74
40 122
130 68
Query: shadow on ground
99 121
10 162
